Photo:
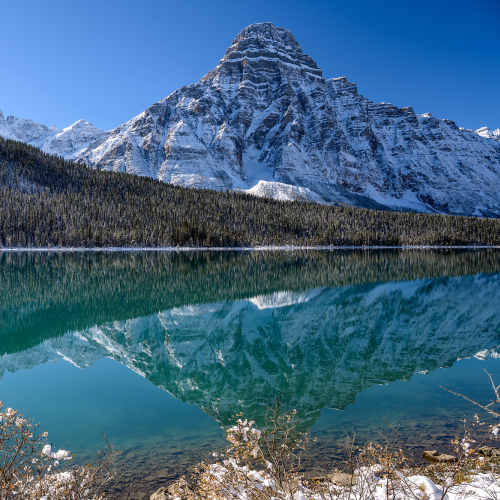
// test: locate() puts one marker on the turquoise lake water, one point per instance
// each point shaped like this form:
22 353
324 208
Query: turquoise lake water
160 350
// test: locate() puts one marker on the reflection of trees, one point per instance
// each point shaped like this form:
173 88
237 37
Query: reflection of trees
45 295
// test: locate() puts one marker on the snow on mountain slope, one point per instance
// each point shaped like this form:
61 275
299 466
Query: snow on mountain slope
490 134
4 128
73 140
318 349
68 142
265 113
26 130
414 161
286 192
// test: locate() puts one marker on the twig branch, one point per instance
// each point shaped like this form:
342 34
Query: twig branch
487 407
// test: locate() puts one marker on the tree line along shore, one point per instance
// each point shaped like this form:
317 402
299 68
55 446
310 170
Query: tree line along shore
47 201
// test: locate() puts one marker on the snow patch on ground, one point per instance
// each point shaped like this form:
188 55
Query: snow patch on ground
284 192
409 200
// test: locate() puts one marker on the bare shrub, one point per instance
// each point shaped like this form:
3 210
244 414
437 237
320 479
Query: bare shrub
29 469
265 464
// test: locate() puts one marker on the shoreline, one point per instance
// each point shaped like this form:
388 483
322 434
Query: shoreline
244 249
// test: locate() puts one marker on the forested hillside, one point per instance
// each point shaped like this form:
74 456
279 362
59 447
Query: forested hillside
48 201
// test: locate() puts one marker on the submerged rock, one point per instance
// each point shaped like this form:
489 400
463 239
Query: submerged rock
435 456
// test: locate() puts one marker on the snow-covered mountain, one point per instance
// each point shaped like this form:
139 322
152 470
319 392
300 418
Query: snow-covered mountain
266 121
68 142
266 113
317 348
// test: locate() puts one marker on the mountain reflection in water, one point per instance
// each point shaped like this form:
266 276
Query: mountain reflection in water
227 330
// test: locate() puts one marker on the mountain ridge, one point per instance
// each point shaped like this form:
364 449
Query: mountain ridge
67 142
266 113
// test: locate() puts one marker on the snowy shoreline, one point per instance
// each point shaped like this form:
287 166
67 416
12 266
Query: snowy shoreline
244 249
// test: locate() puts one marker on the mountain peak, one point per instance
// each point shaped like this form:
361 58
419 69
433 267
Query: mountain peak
268 33
488 133
265 47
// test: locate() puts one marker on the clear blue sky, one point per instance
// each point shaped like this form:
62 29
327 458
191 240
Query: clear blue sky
107 61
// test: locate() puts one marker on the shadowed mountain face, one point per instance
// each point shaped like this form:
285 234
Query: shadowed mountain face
314 328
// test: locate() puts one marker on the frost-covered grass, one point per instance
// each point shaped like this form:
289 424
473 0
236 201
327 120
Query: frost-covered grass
260 464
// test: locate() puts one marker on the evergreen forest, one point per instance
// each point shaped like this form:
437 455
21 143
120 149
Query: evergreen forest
47 201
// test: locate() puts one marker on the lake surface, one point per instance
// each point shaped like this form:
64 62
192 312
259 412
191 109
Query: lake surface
161 350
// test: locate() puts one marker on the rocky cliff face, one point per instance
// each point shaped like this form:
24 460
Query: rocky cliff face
317 348
265 120
265 113
68 142
417 161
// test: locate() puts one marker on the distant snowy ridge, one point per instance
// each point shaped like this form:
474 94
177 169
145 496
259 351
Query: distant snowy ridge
490 134
284 192
265 121
69 142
